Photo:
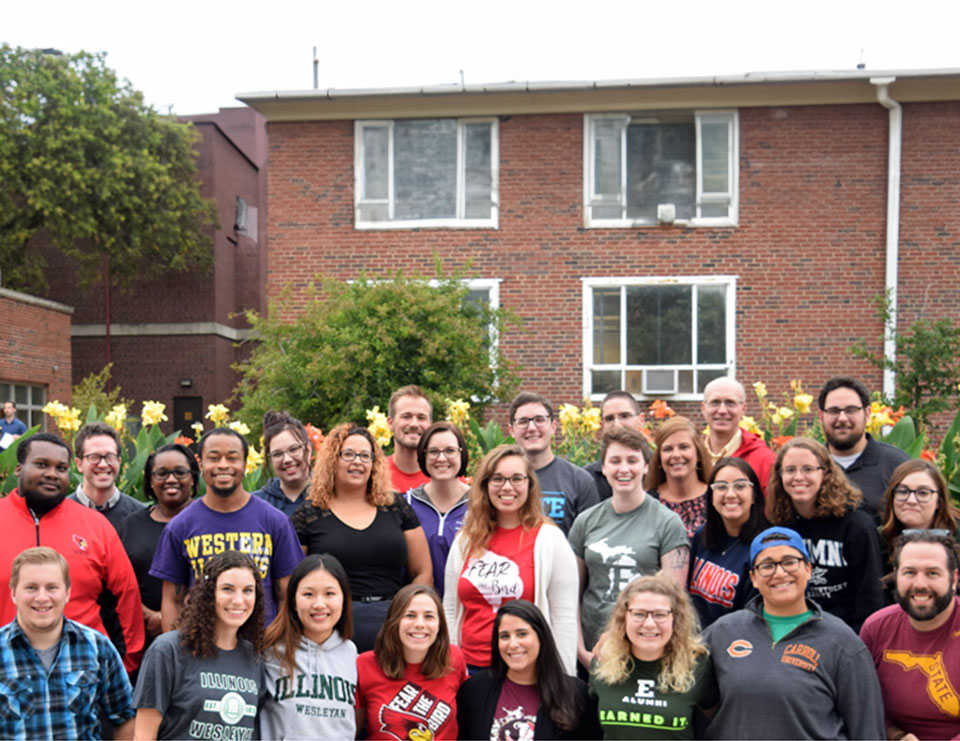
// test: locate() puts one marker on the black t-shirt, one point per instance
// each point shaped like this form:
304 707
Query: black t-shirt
140 534
374 558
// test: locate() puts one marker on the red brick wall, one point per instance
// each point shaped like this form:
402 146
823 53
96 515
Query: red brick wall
35 346
808 253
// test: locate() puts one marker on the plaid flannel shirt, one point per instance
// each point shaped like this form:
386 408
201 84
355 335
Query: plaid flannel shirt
86 677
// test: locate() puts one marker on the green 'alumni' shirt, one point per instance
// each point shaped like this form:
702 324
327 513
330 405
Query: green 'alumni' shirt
636 709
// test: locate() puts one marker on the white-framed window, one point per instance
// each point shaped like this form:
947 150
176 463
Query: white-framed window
661 168
657 337
441 172
30 401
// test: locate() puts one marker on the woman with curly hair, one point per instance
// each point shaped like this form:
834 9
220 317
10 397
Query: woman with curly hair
653 670
810 493
353 514
204 680
288 452
508 549
526 693
407 685
310 638
678 471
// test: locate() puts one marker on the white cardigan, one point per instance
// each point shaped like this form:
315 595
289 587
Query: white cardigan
556 590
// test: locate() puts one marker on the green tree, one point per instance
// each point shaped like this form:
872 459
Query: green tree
112 182
352 344
927 364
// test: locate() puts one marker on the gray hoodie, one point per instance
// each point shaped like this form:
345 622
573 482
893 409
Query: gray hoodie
816 682
319 701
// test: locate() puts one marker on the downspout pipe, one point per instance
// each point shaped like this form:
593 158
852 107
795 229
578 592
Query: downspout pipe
894 150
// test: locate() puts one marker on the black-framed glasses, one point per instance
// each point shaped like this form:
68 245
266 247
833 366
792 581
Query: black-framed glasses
293 451
923 494
351 455
447 453
790 565
659 616
539 420
498 480
805 470
94 459
162 474
739 486
837 411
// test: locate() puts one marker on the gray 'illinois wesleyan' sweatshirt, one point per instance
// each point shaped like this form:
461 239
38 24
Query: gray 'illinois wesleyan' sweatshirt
318 701
817 682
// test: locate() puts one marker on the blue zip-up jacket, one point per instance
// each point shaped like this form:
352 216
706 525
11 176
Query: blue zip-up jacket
440 529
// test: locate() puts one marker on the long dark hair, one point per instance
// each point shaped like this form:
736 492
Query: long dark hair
388 649
558 693
198 622
714 531
946 515
170 448
286 631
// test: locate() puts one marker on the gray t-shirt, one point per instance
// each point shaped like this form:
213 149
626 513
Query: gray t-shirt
47 655
566 492
618 547
201 698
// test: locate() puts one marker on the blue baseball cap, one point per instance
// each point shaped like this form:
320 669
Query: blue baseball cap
781 536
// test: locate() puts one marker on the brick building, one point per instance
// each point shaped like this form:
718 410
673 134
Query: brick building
35 363
651 234
173 339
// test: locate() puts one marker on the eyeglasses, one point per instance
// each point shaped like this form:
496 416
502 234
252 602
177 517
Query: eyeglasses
94 459
447 453
805 470
351 455
717 403
517 480
659 616
922 493
622 416
935 531
739 486
180 474
540 420
790 564
837 411
293 451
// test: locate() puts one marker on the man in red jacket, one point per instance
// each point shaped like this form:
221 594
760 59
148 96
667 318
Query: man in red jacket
37 513
724 403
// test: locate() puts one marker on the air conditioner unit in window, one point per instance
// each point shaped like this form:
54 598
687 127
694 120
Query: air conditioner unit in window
658 381
666 213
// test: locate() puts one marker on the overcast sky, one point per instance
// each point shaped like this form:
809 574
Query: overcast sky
194 57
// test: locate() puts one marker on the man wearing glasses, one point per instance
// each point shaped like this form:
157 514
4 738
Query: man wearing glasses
566 489
785 668
914 642
98 461
844 407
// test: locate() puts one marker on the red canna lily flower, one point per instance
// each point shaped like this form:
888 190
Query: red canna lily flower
661 410
315 435
188 441
929 455
779 441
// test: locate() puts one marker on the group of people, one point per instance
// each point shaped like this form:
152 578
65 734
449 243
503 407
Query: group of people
706 587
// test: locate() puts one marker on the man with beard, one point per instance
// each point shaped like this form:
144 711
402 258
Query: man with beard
914 643
37 513
226 518
844 408
409 414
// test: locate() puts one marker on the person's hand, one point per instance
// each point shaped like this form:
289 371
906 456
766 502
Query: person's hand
152 622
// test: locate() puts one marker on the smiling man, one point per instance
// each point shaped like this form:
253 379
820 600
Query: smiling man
566 490
814 679
226 518
618 409
98 461
37 513
914 642
409 415
82 675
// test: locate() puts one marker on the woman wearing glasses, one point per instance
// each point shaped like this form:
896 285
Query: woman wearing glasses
352 514
810 493
916 499
441 503
288 450
170 478
653 670
508 549
720 550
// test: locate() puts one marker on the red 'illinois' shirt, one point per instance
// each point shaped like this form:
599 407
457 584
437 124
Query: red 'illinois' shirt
413 707
505 571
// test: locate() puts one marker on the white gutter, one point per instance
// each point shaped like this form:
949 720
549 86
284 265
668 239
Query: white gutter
893 225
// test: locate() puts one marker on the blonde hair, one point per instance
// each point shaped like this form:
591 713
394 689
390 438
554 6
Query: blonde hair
481 520
323 482
679 661
37 557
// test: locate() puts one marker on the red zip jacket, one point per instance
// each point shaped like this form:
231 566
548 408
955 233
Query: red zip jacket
755 452
96 559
